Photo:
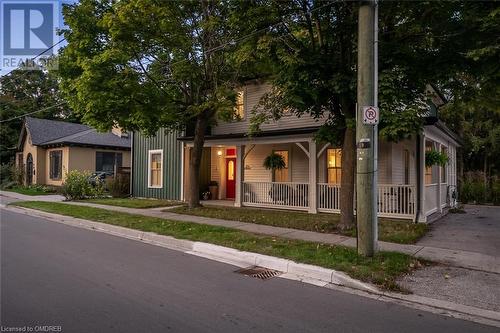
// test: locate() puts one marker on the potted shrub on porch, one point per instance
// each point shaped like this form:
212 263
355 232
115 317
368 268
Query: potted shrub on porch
213 187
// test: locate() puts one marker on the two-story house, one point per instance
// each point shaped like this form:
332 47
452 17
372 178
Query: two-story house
311 178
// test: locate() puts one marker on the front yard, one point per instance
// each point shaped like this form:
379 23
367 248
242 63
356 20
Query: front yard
382 270
390 230
133 202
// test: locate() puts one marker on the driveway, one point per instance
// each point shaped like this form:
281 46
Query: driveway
476 231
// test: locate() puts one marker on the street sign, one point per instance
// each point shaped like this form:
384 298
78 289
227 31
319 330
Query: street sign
370 115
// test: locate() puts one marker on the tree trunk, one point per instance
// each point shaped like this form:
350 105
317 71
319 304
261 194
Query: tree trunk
347 180
195 161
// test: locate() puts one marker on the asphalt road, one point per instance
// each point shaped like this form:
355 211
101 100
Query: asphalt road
85 281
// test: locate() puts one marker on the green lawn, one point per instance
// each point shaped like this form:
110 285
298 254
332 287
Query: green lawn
382 270
32 190
390 230
134 203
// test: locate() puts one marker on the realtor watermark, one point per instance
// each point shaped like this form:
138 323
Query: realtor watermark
28 33
34 328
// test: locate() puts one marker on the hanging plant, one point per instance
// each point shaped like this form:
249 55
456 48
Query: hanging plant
434 157
274 162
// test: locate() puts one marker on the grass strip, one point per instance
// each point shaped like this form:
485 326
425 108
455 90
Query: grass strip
133 202
381 270
390 230
31 190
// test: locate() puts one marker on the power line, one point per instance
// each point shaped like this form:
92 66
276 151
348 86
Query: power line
37 56
33 112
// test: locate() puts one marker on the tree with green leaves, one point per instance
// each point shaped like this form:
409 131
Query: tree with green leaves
148 64
311 51
23 92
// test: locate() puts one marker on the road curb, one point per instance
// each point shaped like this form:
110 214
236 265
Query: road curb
209 251
296 271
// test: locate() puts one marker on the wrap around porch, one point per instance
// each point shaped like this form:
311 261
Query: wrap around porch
309 182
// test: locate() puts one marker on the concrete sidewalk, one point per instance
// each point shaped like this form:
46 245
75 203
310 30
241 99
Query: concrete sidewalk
458 258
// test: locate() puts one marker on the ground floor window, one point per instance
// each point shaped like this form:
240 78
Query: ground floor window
334 165
55 158
428 170
107 161
155 174
282 175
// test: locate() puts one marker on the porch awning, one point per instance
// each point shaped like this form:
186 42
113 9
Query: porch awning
272 133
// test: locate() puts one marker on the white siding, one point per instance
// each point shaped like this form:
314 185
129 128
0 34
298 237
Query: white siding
253 94
298 163
397 162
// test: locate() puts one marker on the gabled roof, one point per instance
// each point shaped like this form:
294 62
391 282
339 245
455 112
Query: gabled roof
46 132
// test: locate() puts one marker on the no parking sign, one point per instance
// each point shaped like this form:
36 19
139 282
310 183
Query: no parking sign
370 115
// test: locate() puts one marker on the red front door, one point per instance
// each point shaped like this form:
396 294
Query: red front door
230 178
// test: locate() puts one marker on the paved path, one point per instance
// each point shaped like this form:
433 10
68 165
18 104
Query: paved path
52 274
478 230
454 257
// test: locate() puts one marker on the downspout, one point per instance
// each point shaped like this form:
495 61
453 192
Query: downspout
132 164
419 194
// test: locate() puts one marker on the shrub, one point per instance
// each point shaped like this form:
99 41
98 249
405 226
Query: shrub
17 174
495 191
473 189
76 186
119 187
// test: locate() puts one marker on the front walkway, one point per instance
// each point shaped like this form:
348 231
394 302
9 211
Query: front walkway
454 257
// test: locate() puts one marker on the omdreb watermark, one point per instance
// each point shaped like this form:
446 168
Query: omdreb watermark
28 33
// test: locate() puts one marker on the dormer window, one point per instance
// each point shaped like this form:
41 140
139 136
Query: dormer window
239 108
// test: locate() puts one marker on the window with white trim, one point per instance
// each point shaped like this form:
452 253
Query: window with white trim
334 165
155 168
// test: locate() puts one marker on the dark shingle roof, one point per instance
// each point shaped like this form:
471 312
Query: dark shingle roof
43 130
52 132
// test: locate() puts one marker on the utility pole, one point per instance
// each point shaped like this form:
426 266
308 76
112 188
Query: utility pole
366 130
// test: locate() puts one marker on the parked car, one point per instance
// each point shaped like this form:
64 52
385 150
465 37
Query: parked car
99 176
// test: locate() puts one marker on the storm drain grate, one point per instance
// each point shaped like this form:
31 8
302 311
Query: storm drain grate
259 272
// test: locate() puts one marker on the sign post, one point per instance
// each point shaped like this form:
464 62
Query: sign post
366 131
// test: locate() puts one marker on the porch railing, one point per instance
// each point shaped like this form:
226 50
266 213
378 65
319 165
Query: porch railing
393 200
277 195
328 198
396 200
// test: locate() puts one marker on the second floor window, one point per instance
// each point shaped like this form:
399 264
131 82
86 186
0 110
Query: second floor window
55 158
334 165
239 108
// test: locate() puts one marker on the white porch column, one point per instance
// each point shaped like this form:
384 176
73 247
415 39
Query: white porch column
440 210
421 184
240 152
313 208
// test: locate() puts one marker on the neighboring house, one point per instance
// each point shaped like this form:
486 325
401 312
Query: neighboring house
49 149
311 179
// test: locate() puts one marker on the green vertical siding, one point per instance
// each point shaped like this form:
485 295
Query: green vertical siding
172 172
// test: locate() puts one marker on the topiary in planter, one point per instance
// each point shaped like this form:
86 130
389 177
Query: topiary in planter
274 162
